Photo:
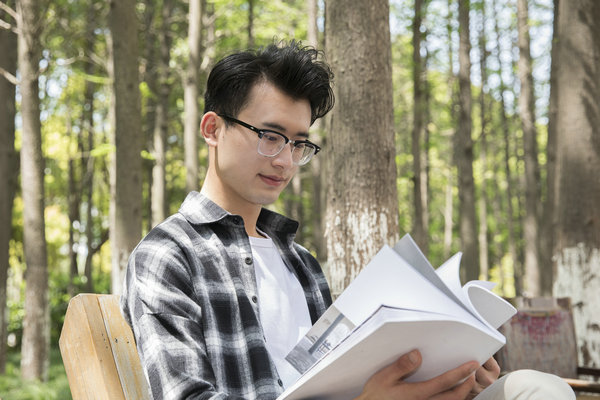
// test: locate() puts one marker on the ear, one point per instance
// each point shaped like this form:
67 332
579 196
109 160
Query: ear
209 127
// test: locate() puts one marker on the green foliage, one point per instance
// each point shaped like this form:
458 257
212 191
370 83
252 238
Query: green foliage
61 289
12 387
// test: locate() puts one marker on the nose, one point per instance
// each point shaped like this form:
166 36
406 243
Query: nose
284 158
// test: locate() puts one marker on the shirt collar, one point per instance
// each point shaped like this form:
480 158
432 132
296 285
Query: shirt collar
199 209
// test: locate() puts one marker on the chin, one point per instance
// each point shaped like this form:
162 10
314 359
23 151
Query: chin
266 200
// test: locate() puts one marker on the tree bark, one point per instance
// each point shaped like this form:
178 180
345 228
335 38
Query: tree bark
483 197
449 196
362 209
8 171
420 230
36 323
312 31
318 165
190 95
577 187
126 177
161 123
87 161
548 224
150 77
532 170
463 154
250 26
505 128
74 202
293 203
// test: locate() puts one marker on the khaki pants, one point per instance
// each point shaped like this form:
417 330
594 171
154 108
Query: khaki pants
528 385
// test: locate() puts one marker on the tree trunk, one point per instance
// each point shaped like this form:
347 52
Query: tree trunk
312 31
448 216
577 242
504 123
420 230
464 151
161 124
74 202
150 77
126 177
36 323
8 171
293 203
362 209
532 170
190 96
318 164
87 161
483 197
250 26
449 196
548 224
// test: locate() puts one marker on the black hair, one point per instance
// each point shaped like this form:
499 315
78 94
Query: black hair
291 67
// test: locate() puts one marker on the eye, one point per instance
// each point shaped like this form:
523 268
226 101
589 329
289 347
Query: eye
271 137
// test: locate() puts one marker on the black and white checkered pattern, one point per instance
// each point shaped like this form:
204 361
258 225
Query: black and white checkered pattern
191 298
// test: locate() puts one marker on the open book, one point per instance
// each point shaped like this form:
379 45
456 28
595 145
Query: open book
398 303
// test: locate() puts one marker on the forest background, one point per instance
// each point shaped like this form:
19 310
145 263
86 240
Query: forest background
471 125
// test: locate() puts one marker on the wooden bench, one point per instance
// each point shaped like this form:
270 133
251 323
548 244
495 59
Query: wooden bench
99 352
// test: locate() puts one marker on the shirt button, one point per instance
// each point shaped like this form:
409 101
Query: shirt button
248 260
280 382
254 299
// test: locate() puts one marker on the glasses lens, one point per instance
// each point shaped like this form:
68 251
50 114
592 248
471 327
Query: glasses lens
270 144
302 153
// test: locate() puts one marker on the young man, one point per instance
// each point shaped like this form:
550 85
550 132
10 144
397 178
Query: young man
219 292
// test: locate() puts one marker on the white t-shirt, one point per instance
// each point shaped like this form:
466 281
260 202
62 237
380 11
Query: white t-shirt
284 314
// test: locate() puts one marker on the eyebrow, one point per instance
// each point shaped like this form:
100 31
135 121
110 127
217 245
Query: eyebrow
281 129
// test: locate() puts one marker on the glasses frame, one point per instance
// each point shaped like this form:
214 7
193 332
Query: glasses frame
262 132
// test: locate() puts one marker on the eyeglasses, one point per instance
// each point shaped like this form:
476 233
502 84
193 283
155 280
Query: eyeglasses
270 143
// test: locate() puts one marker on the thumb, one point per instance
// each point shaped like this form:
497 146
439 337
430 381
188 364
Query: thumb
403 367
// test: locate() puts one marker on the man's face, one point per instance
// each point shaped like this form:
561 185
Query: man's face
246 177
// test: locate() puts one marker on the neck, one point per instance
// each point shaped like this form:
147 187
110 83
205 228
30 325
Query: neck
248 212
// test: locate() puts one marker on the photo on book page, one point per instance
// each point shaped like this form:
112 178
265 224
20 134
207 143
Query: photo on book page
330 329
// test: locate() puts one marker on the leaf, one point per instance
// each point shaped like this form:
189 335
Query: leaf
103 150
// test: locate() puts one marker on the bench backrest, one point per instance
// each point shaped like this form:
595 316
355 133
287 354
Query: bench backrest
99 352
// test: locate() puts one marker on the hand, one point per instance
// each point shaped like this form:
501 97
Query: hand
485 376
389 382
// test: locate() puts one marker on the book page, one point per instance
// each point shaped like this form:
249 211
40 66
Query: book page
408 249
444 343
399 278
494 309
476 295
389 280
325 334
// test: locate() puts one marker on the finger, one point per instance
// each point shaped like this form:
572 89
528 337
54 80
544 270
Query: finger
401 368
487 374
458 392
492 365
449 379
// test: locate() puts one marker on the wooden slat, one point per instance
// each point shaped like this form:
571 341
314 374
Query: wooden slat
583 386
86 352
133 380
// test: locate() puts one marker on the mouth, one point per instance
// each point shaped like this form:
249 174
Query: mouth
273 180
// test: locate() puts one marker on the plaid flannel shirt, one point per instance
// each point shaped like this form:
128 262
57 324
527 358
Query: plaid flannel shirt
191 299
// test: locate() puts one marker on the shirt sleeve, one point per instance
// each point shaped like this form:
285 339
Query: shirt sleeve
160 305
